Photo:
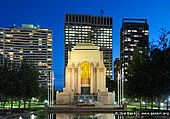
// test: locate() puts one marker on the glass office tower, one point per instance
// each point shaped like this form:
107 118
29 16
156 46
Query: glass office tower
134 33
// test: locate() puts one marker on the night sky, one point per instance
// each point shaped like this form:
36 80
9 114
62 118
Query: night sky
50 14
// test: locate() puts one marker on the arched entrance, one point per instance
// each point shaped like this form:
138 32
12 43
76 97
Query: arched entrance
85 95
85 78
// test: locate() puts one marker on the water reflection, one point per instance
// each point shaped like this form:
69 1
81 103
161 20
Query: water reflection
90 116
85 116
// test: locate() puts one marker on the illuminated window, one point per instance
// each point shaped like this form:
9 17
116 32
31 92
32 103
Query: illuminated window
126 56
146 34
9 35
129 39
49 49
49 39
1 32
21 57
140 51
126 49
8 41
39 39
49 67
30 34
131 49
21 51
134 30
135 36
40 64
49 59
126 63
10 53
136 40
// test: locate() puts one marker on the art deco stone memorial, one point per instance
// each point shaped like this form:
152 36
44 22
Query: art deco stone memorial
85 78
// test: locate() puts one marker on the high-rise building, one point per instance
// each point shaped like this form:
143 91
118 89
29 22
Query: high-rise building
116 68
134 33
87 28
30 42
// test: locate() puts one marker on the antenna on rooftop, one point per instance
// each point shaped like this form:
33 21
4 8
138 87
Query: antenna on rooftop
101 12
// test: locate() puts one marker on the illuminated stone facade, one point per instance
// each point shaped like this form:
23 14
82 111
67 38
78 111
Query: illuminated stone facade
85 78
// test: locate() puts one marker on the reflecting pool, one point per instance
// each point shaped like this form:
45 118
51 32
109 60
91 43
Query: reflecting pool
91 116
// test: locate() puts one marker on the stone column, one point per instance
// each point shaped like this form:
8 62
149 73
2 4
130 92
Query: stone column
98 79
73 79
91 80
79 80
72 84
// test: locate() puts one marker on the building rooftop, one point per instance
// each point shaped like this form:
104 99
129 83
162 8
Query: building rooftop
85 46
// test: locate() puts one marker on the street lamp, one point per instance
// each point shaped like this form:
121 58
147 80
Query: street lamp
50 88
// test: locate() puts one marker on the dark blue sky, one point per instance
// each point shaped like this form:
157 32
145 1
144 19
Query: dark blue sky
50 14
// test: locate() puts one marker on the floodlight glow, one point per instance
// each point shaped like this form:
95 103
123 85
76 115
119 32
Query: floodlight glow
123 99
20 117
32 116
162 104
80 100
45 101
169 98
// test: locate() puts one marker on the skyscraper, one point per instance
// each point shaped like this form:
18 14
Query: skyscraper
30 42
134 33
87 28
116 68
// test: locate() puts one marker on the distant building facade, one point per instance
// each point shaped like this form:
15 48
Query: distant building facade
116 68
30 42
87 28
134 33
85 77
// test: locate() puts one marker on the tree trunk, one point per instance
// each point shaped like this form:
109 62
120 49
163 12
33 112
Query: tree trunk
24 104
159 103
167 105
19 103
29 103
11 103
140 104
145 104
4 104
151 103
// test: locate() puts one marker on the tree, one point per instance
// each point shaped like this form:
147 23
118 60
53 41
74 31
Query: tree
28 76
161 72
149 75
137 84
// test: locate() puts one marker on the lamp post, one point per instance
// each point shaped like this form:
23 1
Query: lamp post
50 88
120 86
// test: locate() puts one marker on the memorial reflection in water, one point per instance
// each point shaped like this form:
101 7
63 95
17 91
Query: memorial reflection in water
92 116
98 116
84 116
